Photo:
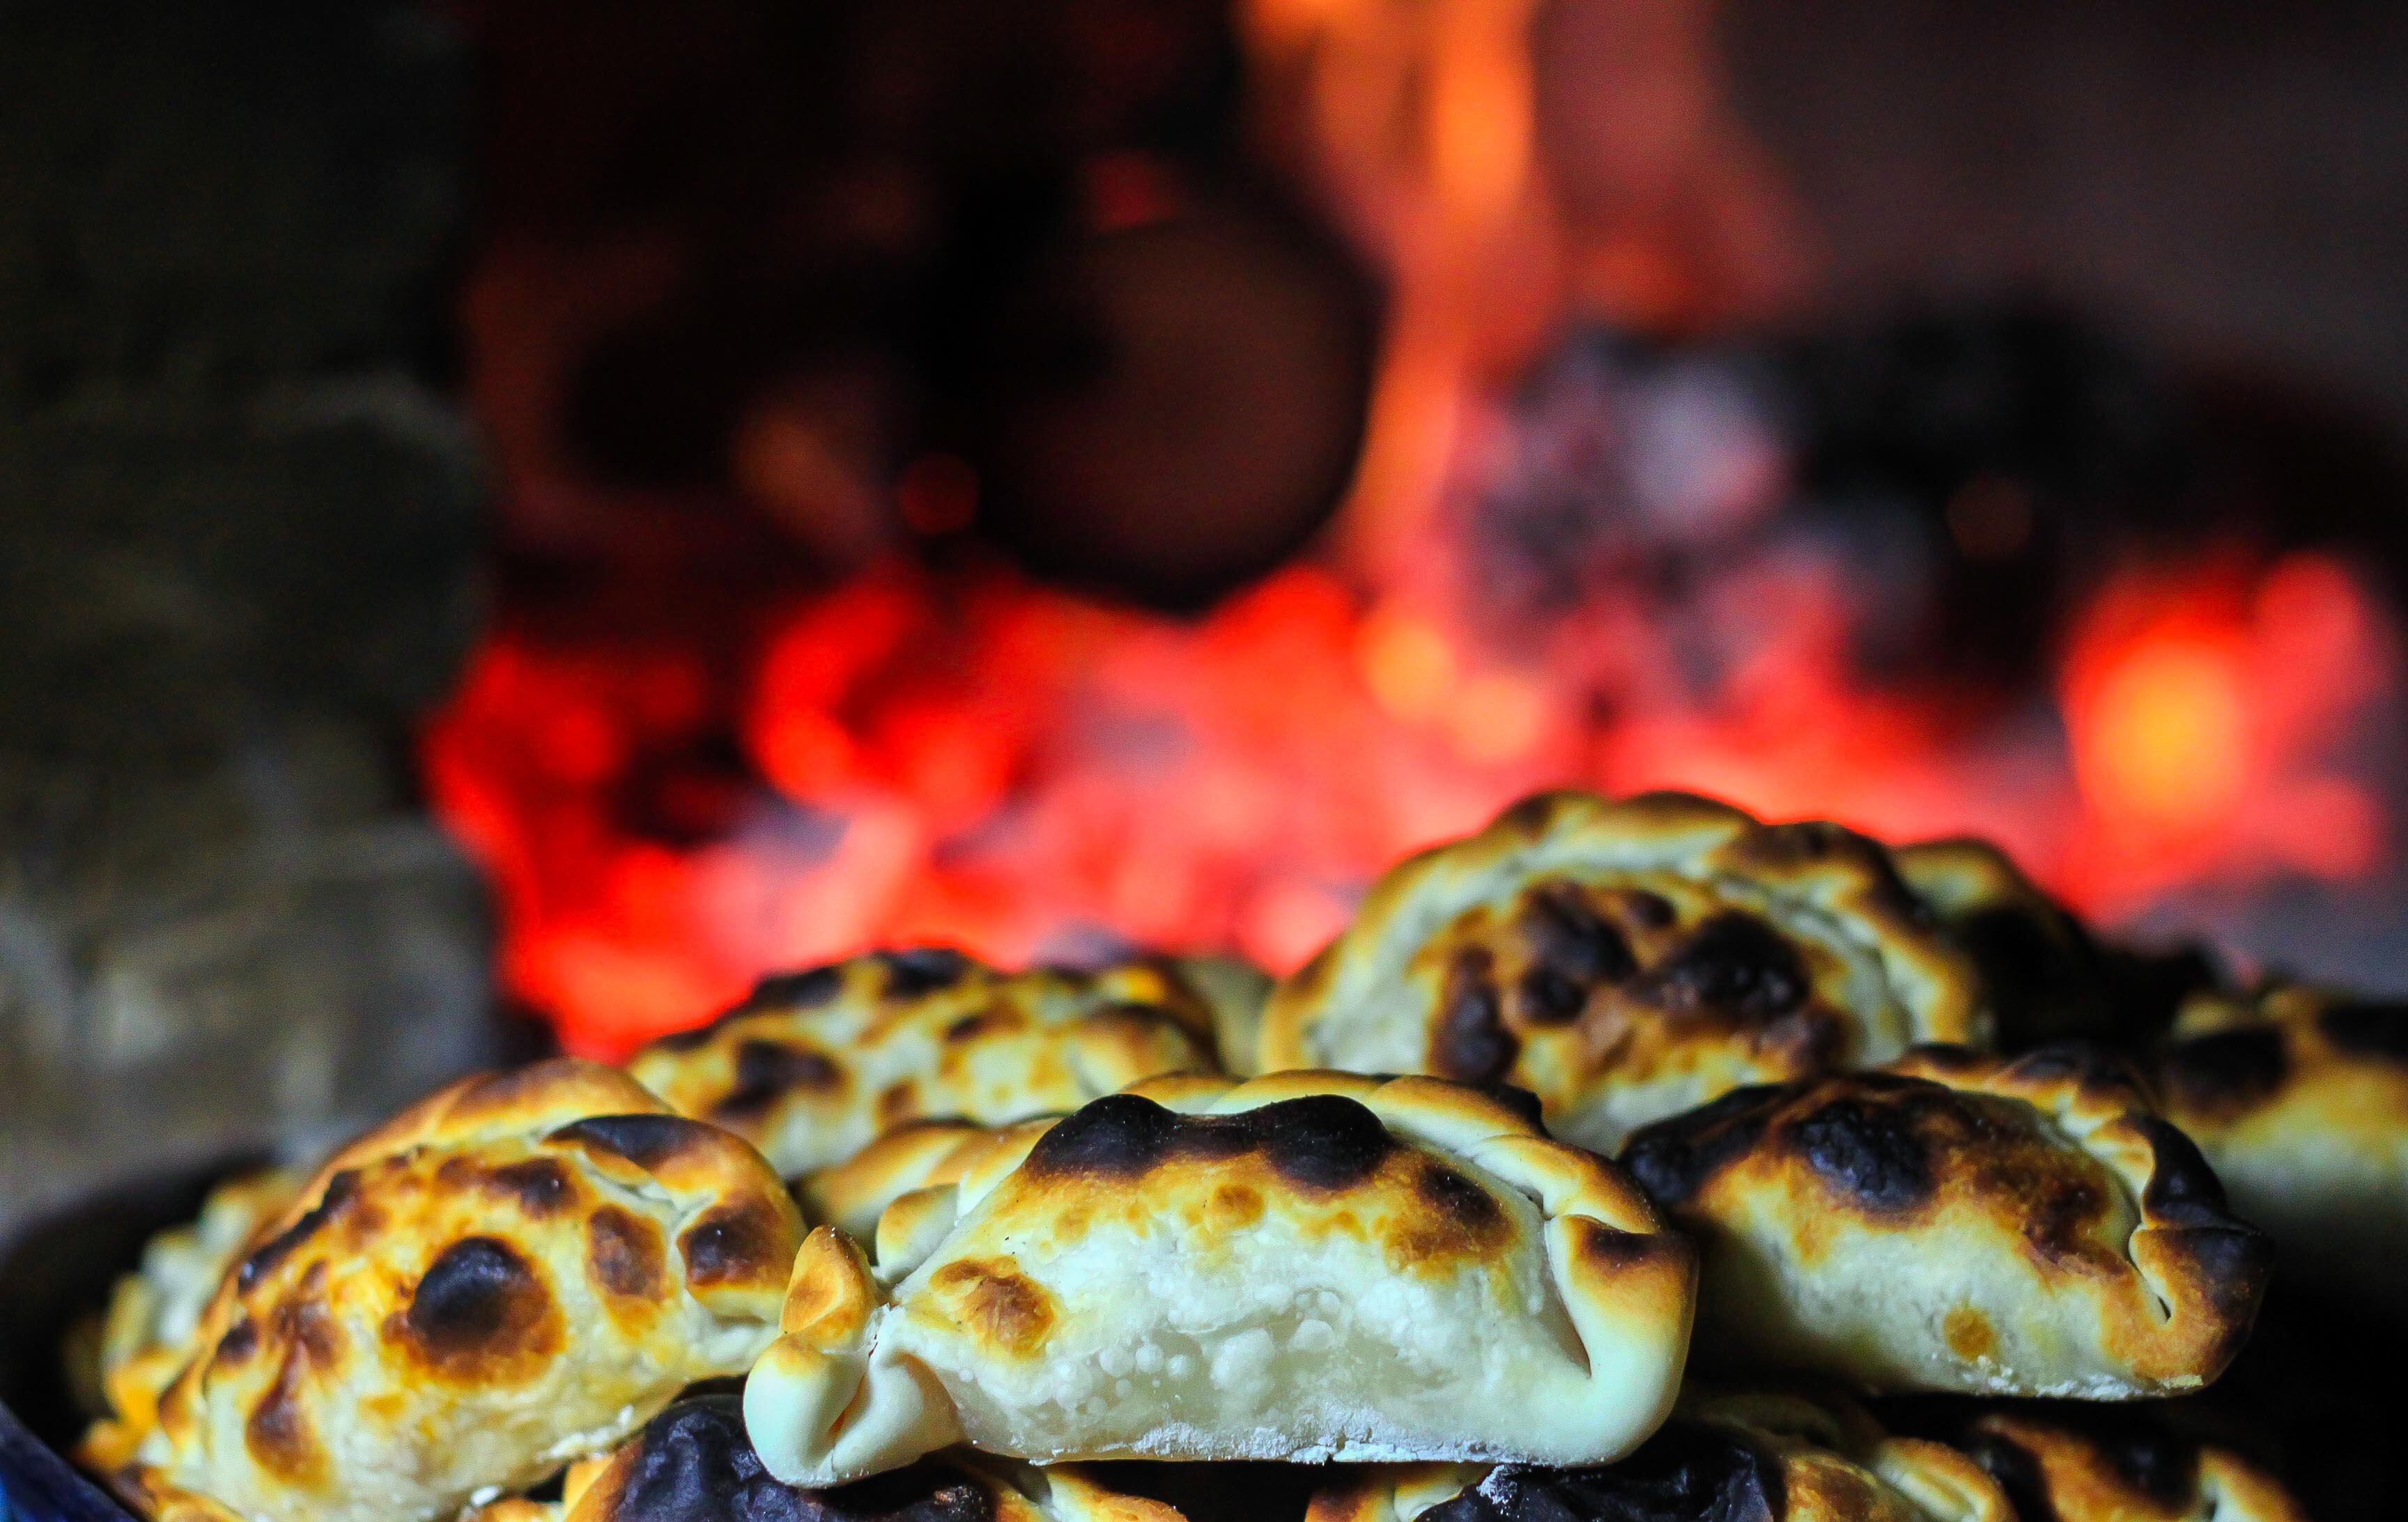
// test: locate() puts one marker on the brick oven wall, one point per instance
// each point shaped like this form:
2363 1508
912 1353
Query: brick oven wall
237 538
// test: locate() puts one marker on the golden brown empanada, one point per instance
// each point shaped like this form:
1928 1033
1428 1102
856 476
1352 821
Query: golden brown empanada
1959 1222
693 1463
513 1272
816 1064
2053 1472
1728 1457
1628 960
154 1314
1305 1266
2299 1097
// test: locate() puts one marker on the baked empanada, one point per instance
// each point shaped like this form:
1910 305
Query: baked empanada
1752 1457
693 1463
1960 1223
154 1314
1306 1265
816 1064
513 1272
2057 1473
1628 960
2299 1097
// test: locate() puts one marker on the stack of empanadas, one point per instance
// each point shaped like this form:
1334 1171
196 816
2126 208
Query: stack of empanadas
908 1239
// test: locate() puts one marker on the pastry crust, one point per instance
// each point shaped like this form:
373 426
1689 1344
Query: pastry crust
1772 1455
2034 1228
693 1463
1627 960
2298 1097
816 1064
1306 1265
2041 979
2051 1469
510 1273
154 1314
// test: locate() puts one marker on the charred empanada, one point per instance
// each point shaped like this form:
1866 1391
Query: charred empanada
1761 1457
2025 1227
816 1064
154 1314
693 1463
2041 977
1628 960
2057 1473
511 1273
1306 1265
2298 1097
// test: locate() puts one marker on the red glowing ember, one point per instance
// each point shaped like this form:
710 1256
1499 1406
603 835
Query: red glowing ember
975 760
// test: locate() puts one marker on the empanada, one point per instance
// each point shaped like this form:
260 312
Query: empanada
693 1463
1743 1458
2056 1473
816 1064
1628 960
513 1272
1306 1265
154 1314
2299 1097
1961 1223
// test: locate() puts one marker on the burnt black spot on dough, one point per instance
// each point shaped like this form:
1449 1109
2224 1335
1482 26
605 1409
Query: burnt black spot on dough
2085 1063
479 1303
2018 1473
265 1259
2226 1071
2040 973
2182 1190
768 1071
2367 1028
1320 1140
1572 939
1612 1250
1471 1044
646 1140
540 1187
1458 1202
969 1027
1648 910
623 1253
1523 1104
1688 1471
1870 1152
2157 1465
240 1342
1674 1158
731 1244
1733 963
1530 815
923 969
693 1463
1119 1135
805 990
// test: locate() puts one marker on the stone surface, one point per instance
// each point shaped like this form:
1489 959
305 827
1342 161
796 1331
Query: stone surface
238 534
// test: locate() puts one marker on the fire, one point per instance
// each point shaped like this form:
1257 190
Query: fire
969 758
959 755
2200 705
